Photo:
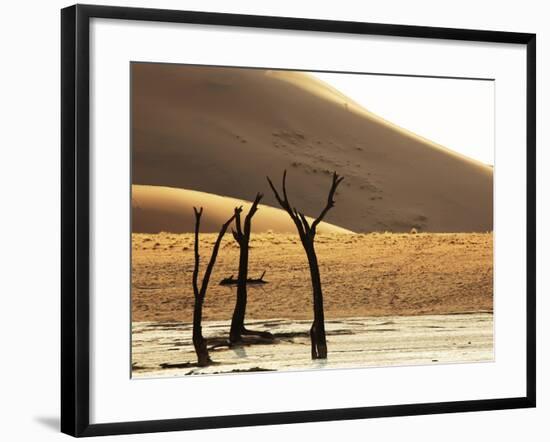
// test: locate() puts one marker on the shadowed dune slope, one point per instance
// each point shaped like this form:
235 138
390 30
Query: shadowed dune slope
163 209
222 130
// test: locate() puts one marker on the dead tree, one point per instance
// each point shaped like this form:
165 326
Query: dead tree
199 342
249 281
307 236
242 236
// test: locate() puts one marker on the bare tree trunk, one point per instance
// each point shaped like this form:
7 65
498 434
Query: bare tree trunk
317 331
307 236
199 342
242 236
203 359
237 322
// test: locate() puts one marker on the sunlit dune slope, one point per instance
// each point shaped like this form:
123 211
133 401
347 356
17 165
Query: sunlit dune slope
222 130
164 209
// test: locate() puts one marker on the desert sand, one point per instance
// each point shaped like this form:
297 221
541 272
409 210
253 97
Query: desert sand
222 130
378 274
390 299
158 209
208 137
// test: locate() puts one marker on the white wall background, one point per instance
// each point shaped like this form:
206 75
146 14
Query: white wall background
29 220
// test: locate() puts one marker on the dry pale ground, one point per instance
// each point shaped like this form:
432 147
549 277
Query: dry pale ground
166 349
390 299
362 274
222 130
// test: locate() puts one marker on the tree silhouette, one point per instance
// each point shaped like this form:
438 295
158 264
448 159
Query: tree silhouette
242 236
199 342
307 236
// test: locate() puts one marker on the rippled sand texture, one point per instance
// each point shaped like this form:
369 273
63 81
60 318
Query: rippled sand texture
362 274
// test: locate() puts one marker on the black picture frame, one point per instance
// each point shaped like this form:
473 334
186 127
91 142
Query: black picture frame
75 211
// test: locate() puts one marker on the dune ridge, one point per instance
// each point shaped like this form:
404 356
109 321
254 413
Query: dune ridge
222 130
158 209
327 91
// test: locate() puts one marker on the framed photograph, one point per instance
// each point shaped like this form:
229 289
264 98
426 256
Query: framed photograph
275 220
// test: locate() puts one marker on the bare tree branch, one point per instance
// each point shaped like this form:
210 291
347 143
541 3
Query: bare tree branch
238 211
304 221
336 180
284 189
279 200
250 214
285 204
198 214
254 207
210 266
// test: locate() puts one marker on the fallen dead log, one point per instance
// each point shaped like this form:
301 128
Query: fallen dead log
232 281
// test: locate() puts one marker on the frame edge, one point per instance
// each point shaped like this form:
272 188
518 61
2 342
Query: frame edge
75 323
302 24
68 276
531 141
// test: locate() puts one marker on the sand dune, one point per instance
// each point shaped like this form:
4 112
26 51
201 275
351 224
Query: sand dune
222 130
163 209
